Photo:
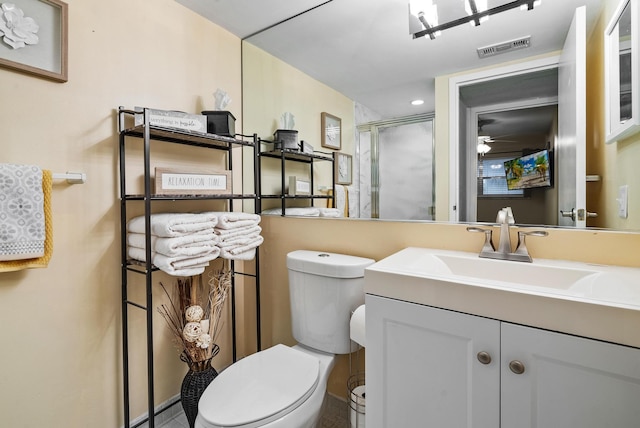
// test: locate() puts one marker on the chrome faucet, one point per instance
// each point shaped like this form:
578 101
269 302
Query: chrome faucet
505 219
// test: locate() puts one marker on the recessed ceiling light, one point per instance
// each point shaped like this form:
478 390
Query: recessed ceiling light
417 102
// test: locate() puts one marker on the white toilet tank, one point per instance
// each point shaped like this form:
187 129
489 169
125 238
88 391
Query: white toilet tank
324 290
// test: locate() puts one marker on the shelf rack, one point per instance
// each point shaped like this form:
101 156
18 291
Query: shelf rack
285 155
146 133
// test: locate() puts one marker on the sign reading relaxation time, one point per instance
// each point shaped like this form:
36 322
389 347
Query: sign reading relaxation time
175 182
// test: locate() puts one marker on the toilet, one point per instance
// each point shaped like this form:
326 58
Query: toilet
284 386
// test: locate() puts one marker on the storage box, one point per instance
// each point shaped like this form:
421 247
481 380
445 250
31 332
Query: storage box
220 122
298 187
173 119
286 139
306 147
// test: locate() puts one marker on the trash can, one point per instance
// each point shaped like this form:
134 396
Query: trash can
357 396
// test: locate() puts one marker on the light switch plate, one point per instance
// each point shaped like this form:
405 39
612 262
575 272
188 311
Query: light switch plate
623 198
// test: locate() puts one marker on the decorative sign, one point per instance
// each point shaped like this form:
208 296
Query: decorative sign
174 119
299 187
176 182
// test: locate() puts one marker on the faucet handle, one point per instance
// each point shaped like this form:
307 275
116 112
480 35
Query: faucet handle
522 247
488 244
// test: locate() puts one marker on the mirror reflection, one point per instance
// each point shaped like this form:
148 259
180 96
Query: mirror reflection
276 80
624 53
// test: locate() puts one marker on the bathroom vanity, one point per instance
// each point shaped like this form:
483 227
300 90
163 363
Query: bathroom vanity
458 341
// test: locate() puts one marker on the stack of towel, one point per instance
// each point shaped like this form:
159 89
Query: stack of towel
239 234
305 212
182 244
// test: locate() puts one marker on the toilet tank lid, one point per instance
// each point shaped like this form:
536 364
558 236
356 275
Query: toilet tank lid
327 264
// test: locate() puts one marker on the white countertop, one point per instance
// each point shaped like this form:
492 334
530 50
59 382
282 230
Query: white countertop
603 302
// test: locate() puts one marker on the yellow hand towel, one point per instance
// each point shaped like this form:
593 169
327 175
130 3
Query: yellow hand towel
43 261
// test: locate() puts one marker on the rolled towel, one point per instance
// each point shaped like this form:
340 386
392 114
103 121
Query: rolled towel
187 245
169 225
226 234
234 220
175 265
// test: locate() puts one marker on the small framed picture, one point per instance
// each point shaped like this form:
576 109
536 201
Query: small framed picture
331 127
343 168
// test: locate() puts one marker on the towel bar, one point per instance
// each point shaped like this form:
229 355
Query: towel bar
71 177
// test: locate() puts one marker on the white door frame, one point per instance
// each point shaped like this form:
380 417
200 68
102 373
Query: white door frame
455 84
472 132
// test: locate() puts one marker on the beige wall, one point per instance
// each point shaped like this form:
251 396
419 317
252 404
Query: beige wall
60 364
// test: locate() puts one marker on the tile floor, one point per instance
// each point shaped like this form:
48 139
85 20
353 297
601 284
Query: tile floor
336 415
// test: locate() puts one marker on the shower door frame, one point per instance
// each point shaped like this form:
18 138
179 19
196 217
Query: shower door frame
372 128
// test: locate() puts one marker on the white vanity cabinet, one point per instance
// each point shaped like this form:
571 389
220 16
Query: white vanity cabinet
430 367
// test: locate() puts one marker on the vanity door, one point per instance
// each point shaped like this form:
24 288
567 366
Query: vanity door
554 380
428 367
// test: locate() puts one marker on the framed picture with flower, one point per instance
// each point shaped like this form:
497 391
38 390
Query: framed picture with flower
33 38
331 137
343 168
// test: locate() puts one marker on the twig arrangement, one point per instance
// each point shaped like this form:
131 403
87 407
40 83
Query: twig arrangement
194 316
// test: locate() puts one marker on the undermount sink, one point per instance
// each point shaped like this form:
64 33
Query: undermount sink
513 272
555 278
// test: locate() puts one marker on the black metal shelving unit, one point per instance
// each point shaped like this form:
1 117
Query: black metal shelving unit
145 133
286 155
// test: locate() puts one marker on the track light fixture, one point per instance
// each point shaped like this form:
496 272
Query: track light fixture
423 15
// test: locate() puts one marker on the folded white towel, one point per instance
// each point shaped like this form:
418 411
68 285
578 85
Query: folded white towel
236 250
174 224
176 266
238 241
330 212
234 220
247 255
226 234
21 212
297 211
187 245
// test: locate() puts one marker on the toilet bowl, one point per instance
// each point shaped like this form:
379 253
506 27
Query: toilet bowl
283 386
277 388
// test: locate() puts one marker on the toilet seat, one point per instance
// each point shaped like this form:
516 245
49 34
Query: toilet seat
260 388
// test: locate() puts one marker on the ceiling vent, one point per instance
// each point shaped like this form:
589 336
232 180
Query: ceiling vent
503 47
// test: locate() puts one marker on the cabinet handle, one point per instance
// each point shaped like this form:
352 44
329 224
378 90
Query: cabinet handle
516 366
484 357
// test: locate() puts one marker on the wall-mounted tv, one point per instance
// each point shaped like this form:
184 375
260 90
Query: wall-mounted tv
525 172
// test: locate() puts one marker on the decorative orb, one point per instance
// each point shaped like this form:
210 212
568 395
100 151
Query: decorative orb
194 313
192 331
204 340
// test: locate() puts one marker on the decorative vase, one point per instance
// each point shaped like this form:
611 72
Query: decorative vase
199 376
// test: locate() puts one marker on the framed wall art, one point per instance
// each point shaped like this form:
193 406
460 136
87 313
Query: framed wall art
331 127
343 168
33 38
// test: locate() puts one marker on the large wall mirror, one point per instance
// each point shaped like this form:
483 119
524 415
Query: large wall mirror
347 47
